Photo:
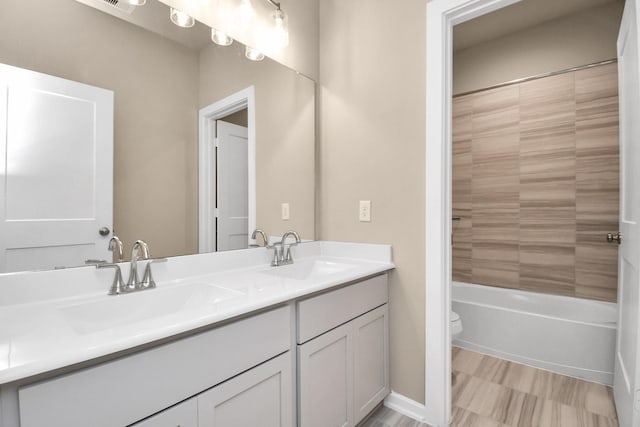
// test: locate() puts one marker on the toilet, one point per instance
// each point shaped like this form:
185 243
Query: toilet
455 328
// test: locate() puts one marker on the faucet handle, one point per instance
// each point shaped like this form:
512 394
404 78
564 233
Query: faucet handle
147 279
118 286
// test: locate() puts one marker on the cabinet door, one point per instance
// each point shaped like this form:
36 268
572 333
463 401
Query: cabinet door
371 361
325 380
184 414
262 396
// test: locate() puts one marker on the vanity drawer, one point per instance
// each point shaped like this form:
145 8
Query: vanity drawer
128 389
321 313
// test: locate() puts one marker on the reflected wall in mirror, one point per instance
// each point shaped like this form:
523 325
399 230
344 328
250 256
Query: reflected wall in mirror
160 82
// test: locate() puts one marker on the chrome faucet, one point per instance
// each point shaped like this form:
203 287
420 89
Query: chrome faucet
116 244
134 283
265 239
134 280
282 255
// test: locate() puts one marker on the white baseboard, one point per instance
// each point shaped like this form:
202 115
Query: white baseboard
405 406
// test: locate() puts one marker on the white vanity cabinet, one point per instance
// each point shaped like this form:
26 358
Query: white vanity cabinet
134 387
320 360
184 414
262 396
343 354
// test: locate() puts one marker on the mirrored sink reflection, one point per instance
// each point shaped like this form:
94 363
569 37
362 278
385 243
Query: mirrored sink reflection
116 311
309 269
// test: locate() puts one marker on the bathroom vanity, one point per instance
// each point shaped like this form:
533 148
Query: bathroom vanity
224 340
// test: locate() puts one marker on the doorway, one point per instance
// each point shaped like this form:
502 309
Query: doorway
441 17
227 173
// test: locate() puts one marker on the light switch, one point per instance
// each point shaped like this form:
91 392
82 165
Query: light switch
285 211
365 211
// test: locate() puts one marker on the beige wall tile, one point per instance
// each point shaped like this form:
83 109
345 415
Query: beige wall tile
597 182
547 185
495 193
462 163
535 179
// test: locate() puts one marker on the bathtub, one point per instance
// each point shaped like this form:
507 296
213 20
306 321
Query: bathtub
570 336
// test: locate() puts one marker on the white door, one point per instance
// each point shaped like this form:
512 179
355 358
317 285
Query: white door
56 171
627 361
232 193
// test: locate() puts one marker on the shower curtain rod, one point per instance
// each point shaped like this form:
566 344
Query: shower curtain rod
538 76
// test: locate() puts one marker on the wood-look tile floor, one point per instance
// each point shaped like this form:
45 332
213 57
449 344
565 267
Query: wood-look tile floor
491 392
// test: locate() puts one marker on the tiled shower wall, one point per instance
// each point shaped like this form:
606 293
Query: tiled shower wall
535 185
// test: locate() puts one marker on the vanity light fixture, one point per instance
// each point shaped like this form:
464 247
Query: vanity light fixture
181 19
220 37
253 54
137 2
280 35
273 37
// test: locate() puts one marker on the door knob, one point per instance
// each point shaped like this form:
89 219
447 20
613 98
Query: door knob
104 231
617 237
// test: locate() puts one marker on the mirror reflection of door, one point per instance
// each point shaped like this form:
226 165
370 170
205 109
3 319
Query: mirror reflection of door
232 191
56 177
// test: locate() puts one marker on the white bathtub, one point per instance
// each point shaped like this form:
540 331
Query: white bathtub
571 336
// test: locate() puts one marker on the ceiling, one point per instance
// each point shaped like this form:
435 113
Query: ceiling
517 17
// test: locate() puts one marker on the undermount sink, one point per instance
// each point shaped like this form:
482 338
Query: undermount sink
115 311
309 269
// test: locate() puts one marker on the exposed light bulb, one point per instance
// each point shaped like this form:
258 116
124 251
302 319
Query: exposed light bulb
220 37
181 19
280 33
253 54
137 2
244 13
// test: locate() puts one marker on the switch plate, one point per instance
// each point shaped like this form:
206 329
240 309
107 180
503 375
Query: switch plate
285 211
365 211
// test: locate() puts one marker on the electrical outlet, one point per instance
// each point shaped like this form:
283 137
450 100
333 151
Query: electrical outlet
365 211
285 211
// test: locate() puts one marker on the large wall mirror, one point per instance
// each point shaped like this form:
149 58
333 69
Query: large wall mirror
162 78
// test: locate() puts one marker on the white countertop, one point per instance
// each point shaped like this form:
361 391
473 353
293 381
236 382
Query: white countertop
59 318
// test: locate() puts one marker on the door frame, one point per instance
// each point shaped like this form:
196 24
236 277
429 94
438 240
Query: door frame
207 117
442 15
